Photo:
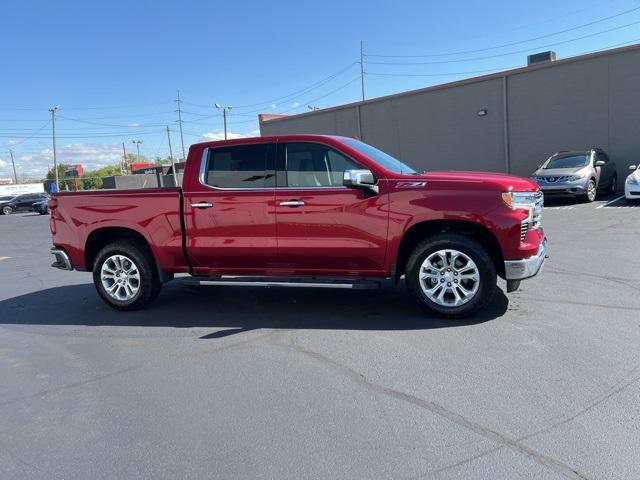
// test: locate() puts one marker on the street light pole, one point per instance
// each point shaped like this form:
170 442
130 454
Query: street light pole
224 116
53 111
137 143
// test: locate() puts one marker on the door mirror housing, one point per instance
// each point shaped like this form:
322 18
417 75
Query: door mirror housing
599 163
360 179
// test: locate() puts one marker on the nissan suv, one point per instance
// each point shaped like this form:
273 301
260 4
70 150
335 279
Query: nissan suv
577 173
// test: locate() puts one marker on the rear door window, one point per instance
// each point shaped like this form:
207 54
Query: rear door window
241 166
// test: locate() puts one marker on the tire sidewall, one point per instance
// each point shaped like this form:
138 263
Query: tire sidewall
475 251
148 277
6 210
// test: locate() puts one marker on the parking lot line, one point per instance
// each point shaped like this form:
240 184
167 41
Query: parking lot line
4 258
611 202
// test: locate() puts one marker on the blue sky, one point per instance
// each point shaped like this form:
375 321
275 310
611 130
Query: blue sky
114 67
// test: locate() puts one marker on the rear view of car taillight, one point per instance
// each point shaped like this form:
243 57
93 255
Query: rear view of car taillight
53 205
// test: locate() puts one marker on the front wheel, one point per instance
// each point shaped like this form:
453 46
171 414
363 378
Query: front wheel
125 276
6 210
590 194
451 276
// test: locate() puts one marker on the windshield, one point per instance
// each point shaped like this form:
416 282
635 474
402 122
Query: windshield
569 161
384 159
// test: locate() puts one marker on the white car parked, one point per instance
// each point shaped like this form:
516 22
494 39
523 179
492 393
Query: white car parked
632 184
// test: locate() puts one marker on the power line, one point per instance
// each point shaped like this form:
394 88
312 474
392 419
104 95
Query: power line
462 60
520 42
323 96
122 107
33 135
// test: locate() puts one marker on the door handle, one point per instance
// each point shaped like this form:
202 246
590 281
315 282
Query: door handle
292 203
202 205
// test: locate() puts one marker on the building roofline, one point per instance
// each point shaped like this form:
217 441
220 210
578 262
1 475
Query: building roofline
465 81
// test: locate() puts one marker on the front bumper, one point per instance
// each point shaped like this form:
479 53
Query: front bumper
632 192
63 262
527 267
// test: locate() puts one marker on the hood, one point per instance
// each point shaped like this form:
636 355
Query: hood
557 172
480 180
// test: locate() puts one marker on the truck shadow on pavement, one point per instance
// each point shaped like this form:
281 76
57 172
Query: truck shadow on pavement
232 310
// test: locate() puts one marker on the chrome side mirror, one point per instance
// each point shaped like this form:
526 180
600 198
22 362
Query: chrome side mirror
360 179
632 167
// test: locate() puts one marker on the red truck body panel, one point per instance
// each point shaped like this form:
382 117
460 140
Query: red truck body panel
153 213
338 232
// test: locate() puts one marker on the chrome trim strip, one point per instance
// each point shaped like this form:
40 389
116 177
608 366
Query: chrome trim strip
273 284
204 162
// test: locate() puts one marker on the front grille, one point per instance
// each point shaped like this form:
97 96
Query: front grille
524 228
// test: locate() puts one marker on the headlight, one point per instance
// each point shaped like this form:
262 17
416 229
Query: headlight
573 178
633 181
532 202
521 199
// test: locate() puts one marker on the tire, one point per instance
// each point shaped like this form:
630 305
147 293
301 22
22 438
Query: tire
592 190
427 252
614 185
131 265
6 210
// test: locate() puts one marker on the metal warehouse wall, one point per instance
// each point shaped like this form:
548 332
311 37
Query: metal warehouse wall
593 100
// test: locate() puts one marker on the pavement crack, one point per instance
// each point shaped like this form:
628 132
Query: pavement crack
441 411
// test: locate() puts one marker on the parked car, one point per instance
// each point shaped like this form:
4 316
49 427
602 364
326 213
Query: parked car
632 184
41 206
21 203
577 173
310 211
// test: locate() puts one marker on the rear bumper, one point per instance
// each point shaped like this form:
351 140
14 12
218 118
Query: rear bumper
527 267
63 262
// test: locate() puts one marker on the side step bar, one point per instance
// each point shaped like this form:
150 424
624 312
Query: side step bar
309 282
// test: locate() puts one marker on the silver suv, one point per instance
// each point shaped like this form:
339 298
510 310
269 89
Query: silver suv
577 173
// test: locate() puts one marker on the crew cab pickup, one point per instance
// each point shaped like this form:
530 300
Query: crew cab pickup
306 210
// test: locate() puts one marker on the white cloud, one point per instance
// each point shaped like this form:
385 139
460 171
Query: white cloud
273 105
219 135
134 124
295 104
91 156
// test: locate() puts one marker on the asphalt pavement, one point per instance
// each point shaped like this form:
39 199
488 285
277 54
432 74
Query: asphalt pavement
235 383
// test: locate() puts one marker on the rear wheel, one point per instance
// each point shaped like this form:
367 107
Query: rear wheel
125 276
590 194
451 276
614 185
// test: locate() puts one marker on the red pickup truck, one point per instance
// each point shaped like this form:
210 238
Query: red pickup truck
306 210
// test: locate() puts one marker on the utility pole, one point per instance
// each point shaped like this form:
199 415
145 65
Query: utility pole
123 167
224 116
180 123
53 111
173 165
15 176
137 143
362 69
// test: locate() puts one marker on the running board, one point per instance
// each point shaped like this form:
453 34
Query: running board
353 284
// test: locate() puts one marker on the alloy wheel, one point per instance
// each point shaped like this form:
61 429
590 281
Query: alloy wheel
120 277
449 278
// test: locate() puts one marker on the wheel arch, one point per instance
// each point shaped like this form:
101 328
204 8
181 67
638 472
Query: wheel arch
423 230
101 237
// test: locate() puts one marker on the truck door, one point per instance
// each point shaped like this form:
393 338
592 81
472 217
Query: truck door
229 213
323 226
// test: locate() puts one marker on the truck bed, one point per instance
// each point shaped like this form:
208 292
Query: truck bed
153 213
